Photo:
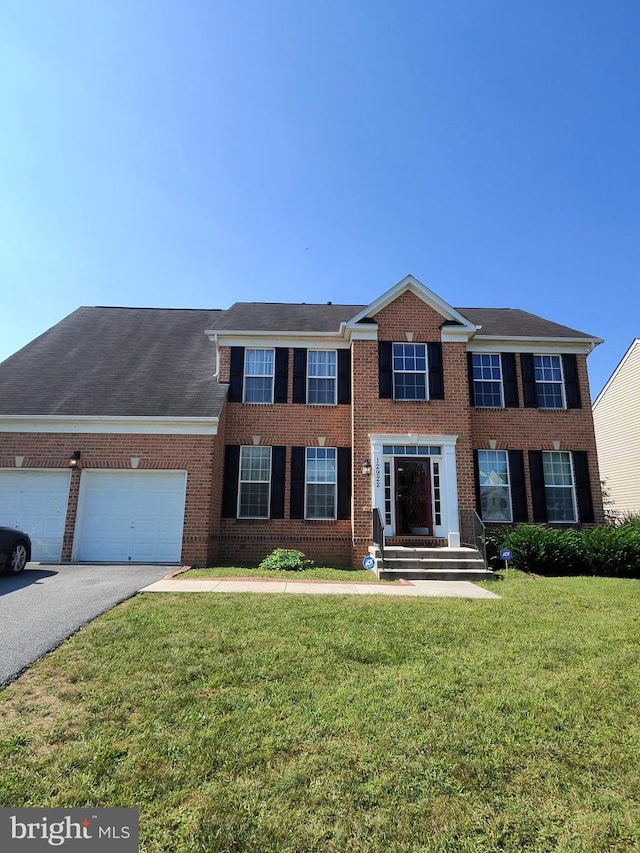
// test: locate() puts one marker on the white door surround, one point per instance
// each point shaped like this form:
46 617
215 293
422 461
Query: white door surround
441 449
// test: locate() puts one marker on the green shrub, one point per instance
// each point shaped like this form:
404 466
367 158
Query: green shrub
538 549
282 558
629 520
607 550
611 551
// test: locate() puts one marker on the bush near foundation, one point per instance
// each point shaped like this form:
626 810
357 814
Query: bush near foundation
283 558
607 550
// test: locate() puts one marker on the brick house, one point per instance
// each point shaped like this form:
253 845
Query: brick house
200 436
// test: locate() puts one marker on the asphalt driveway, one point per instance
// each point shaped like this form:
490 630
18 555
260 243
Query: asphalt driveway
47 603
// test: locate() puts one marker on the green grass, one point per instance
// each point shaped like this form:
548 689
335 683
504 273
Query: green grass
323 723
316 573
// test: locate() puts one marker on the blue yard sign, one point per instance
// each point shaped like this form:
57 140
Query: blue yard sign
506 554
369 563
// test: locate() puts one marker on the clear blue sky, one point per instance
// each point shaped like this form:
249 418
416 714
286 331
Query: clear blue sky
195 153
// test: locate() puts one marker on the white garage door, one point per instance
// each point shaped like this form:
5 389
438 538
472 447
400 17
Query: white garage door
36 502
130 516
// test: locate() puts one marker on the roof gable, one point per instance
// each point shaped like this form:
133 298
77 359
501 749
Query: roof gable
411 284
626 363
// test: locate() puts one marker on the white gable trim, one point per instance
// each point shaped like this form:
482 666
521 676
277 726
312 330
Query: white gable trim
411 284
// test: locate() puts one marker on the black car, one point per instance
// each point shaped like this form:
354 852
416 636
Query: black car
15 550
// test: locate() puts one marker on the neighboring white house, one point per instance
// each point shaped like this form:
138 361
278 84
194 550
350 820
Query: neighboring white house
616 416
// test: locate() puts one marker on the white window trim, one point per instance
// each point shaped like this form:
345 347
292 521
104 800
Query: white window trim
508 484
413 372
334 377
487 381
259 376
554 382
241 482
574 500
323 483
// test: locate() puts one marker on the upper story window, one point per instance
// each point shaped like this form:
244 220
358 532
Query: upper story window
320 483
559 486
487 380
258 376
549 381
322 377
495 492
410 372
255 482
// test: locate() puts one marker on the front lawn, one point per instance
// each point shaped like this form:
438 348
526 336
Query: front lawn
284 724
315 573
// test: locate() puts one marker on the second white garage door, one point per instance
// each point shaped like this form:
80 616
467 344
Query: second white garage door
130 516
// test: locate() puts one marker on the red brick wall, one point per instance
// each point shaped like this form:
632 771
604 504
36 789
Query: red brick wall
434 417
289 425
195 454
539 429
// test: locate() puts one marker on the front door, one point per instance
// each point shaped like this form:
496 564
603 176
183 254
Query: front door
413 497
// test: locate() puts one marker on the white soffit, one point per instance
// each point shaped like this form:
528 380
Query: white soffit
113 425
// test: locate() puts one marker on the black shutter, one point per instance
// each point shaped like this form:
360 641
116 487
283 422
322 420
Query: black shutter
278 463
344 376
344 482
518 485
528 380
476 481
296 502
299 376
436 374
536 474
236 374
230 481
583 486
281 375
571 381
385 372
472 389
509 380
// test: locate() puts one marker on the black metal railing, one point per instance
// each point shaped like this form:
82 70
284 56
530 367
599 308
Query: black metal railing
473 532
378 532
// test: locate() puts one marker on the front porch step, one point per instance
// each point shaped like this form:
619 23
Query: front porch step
433 564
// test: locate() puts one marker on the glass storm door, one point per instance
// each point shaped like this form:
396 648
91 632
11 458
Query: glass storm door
413 497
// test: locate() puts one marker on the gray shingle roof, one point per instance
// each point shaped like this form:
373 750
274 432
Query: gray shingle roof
284 317
152 362
303 317
510 322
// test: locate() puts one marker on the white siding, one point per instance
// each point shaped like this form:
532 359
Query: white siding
616 416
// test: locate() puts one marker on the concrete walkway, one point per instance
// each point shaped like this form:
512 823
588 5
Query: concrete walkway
410 589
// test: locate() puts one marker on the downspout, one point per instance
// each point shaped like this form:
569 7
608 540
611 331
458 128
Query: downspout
215 341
